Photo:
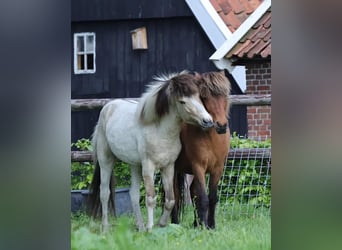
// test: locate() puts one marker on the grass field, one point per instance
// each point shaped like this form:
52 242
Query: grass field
245 232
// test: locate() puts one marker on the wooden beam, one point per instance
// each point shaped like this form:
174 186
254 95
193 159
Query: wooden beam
245 153
255 100
250 100
85 104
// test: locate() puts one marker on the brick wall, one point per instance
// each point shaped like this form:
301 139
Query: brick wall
258 81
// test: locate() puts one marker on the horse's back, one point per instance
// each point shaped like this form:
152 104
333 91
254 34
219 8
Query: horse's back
121 129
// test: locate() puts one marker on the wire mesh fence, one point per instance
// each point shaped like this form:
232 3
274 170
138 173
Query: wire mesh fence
245 186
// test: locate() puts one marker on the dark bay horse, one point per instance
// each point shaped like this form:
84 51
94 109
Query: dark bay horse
204 151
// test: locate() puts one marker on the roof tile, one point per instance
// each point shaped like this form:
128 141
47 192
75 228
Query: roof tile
237 6
233 20
267 51
248 8
216 6
225 6
235 12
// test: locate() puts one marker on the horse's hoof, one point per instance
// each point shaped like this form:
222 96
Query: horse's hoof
162 223
141 228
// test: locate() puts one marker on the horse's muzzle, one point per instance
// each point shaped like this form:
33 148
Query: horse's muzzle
221 129
207 124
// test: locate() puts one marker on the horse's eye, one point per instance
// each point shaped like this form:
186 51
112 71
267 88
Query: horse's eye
182 102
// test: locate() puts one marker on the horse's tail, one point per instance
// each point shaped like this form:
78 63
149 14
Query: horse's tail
93 201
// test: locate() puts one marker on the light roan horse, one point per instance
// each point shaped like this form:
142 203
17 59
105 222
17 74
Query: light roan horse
204 151
146 136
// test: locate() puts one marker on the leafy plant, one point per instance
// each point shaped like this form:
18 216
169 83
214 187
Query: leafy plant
82 172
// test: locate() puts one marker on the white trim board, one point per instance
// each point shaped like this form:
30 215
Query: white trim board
210 21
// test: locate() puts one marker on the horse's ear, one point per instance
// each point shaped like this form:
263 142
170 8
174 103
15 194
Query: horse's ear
197 76
171 87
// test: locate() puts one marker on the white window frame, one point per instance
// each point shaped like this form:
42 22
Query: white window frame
76 53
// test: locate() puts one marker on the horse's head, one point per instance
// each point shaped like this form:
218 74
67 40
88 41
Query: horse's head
187 101
214 91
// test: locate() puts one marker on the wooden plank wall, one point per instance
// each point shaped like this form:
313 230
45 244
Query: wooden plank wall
175 42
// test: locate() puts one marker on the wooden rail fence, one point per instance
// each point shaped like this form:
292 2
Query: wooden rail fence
86 104
246 153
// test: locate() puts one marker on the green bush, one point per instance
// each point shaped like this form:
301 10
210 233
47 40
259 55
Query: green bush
82 172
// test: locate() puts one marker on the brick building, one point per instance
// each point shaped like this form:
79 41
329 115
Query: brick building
258 75
254 52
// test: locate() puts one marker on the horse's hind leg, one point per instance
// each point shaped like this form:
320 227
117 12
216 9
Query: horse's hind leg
167 175
106 162
134 192
177 189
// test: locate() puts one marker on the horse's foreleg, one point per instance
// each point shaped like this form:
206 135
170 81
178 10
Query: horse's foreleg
213 198
148 175
200 199
167 175
134 192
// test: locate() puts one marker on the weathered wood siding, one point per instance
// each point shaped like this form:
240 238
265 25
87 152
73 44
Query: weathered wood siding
173 45
175 42
100 10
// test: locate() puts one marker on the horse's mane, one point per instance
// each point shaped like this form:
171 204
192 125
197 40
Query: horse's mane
214 83
156 101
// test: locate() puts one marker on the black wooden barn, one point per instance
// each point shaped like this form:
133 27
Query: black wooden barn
105 65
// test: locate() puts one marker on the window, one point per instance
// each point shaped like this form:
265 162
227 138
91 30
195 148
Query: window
84 53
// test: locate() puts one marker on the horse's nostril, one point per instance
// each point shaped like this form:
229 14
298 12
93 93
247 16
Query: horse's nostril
221 129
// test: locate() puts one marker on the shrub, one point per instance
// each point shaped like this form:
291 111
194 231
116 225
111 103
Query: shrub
82 172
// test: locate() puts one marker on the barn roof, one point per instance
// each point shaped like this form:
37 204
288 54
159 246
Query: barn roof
256 44
235 12
250 22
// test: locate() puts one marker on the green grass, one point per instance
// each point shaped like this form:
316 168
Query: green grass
247 232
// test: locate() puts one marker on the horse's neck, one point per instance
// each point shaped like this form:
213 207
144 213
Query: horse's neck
197 132
170 125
